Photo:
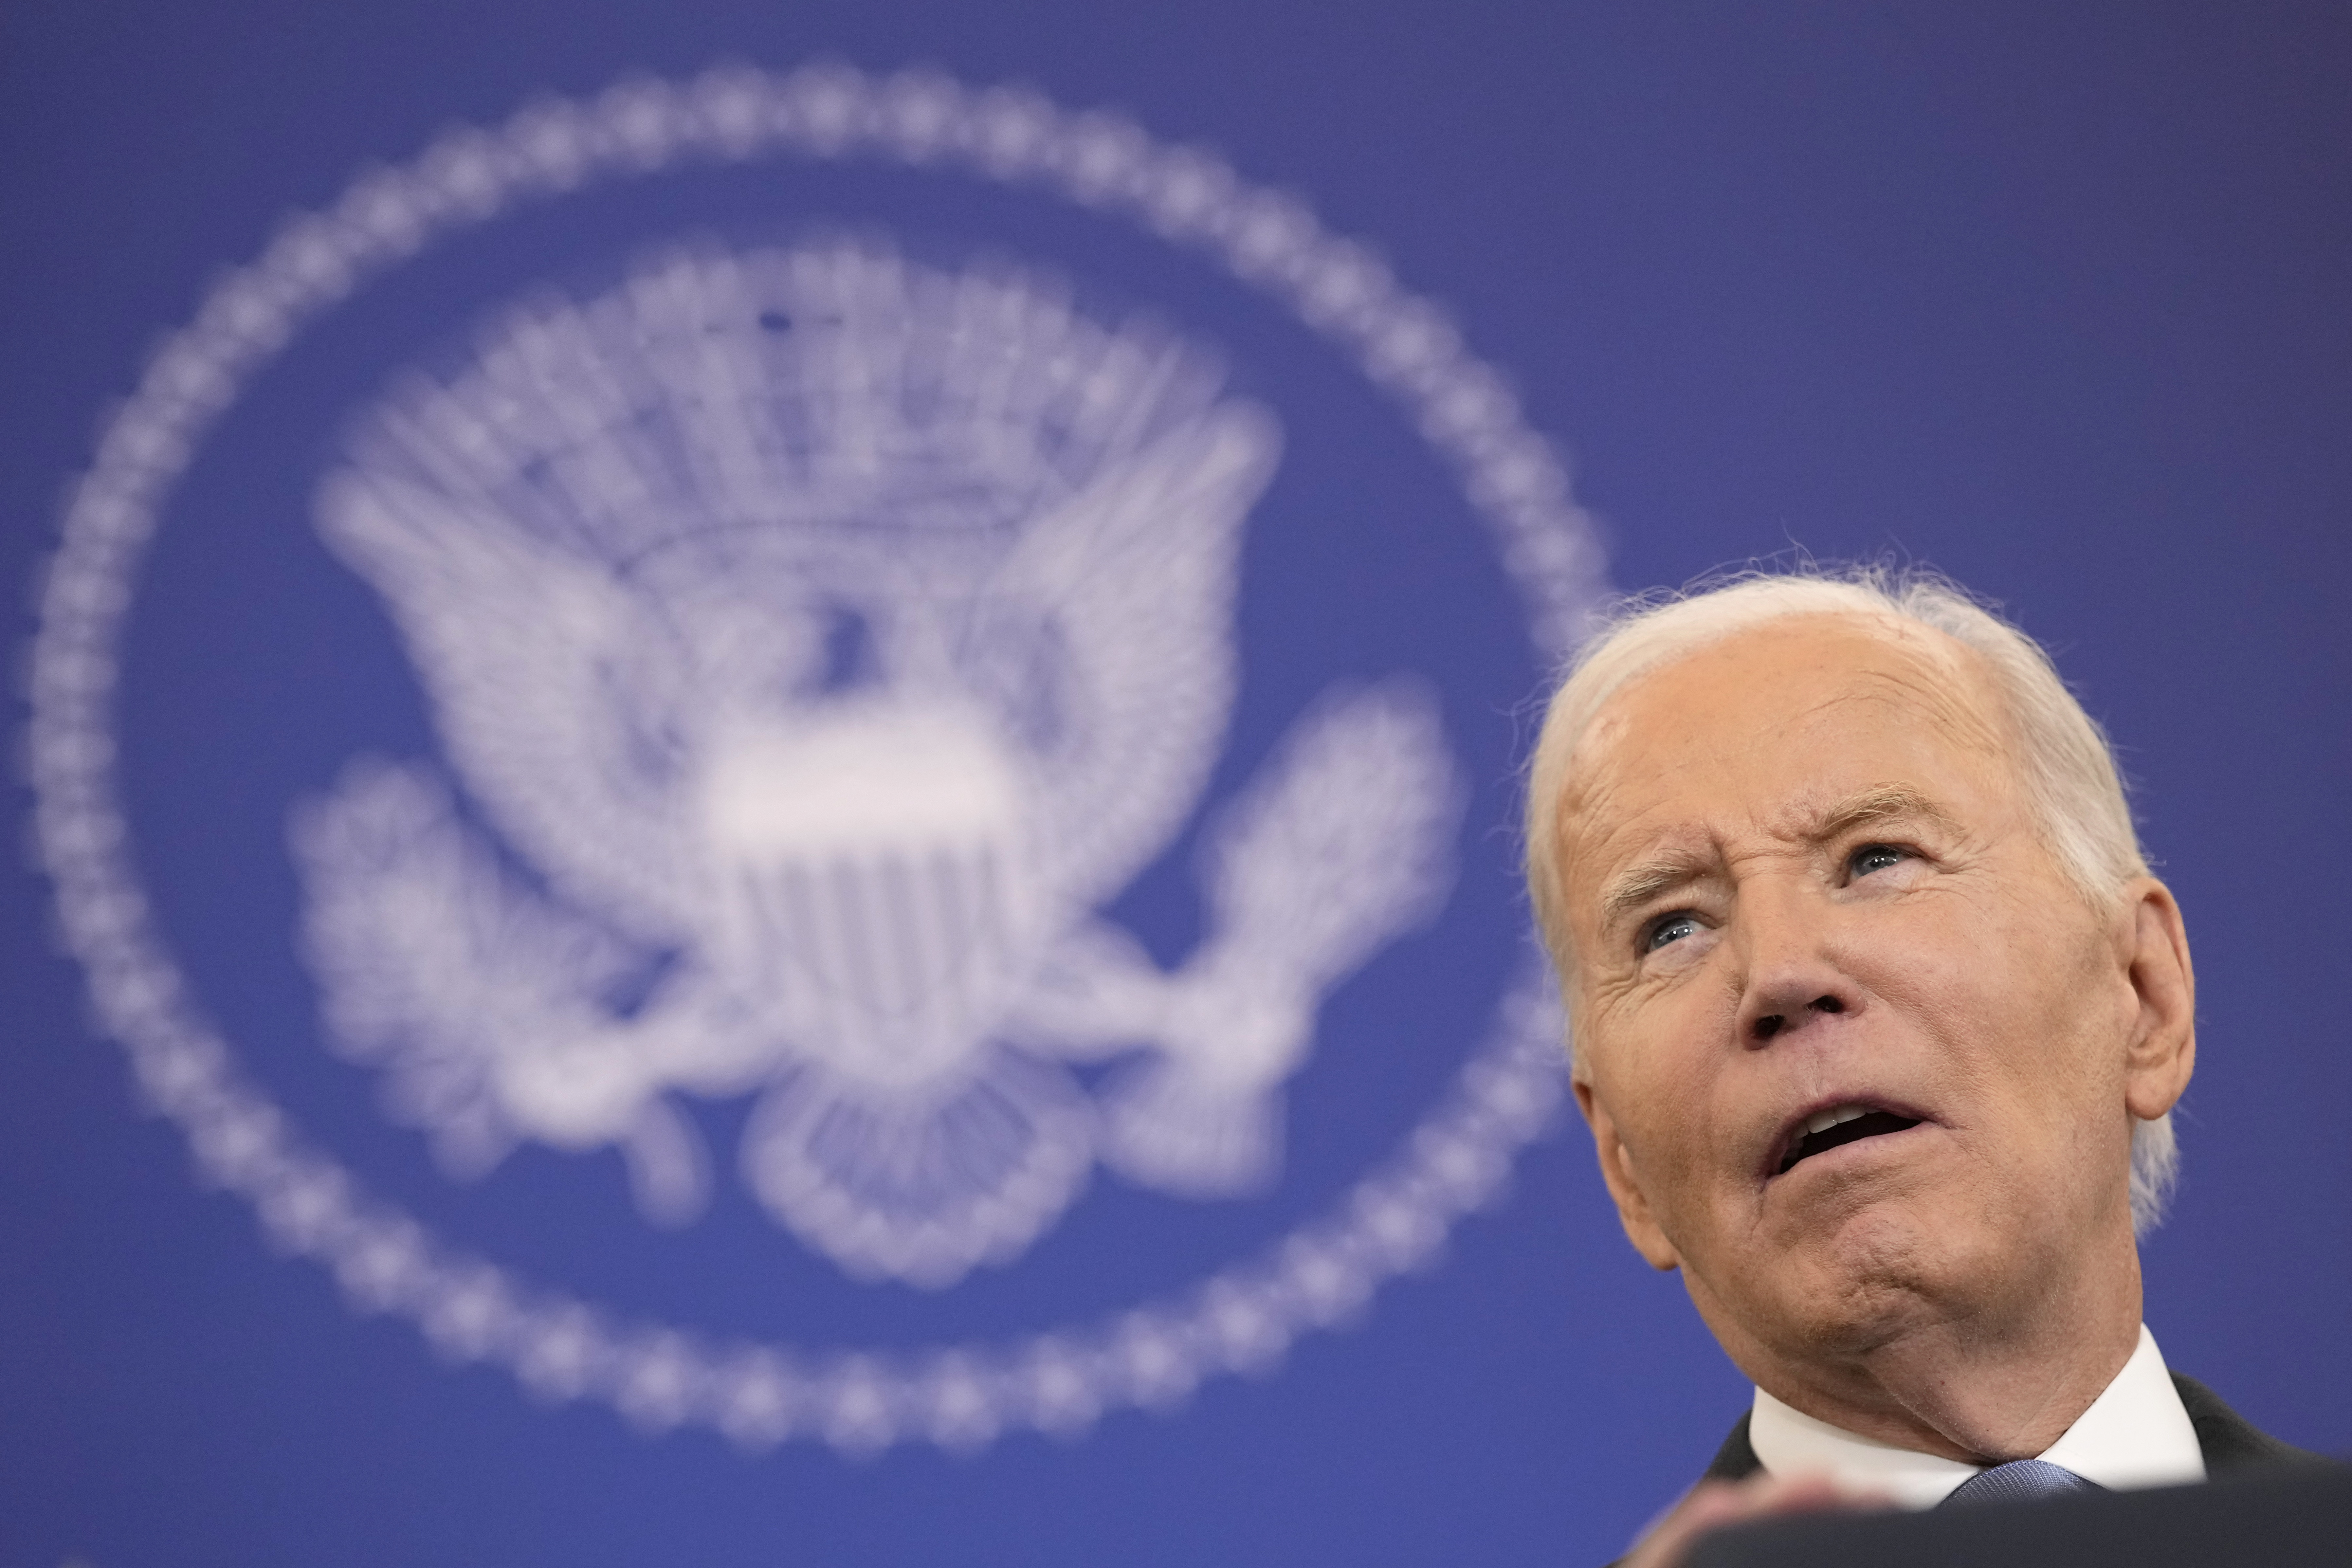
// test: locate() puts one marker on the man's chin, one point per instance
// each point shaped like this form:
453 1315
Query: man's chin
1846 1287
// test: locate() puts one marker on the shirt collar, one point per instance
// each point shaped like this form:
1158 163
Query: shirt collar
2136 1434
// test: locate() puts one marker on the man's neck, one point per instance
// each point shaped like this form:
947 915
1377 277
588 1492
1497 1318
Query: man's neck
1972 1385
2137 1433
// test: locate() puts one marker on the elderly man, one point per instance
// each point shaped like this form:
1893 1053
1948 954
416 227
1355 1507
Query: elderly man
1877 1019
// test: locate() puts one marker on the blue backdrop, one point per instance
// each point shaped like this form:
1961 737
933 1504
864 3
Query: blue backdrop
1472 313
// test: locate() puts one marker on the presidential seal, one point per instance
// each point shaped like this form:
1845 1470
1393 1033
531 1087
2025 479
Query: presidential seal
823 643
836 635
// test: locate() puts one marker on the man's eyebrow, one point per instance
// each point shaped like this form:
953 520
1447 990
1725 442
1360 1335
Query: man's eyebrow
1880 803
1638 884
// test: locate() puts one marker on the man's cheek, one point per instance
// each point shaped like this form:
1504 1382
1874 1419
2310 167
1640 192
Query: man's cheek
1671 1160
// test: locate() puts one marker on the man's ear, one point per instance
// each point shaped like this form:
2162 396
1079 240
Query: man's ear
2161 1050
1624 1186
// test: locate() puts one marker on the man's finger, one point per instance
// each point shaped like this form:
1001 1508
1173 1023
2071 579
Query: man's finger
1712 1505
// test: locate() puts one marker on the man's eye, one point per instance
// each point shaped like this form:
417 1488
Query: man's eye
1876 857
1667 929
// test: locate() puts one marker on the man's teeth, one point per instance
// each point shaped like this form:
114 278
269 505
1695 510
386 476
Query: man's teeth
1825 1129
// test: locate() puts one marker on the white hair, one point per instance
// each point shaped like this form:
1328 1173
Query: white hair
2062 755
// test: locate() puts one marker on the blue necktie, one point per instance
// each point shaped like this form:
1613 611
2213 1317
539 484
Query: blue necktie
2019 1480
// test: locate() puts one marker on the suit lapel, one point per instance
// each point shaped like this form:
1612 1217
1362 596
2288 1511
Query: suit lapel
1736 1460
2229 1441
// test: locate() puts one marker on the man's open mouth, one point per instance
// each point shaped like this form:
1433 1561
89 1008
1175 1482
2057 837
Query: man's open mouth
1826 1129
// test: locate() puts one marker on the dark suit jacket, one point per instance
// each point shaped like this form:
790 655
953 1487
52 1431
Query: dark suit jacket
2232 1444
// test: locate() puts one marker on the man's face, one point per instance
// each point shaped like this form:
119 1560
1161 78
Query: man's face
1804 882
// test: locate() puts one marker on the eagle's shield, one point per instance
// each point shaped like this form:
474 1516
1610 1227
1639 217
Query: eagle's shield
876 885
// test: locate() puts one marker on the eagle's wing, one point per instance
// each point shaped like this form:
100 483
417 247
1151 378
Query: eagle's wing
557 692
1134 576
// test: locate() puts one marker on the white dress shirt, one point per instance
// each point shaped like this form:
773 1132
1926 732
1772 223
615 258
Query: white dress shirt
2136 1434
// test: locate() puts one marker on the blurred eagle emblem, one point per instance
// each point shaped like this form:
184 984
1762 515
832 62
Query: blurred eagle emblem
818 640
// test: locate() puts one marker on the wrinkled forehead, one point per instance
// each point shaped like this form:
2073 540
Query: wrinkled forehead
1770 688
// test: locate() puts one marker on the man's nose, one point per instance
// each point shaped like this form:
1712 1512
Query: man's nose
1789 979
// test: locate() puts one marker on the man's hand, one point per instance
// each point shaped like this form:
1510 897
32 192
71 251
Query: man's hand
1712 1505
